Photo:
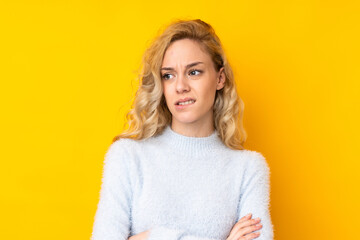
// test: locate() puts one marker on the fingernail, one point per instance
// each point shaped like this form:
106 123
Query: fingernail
248 215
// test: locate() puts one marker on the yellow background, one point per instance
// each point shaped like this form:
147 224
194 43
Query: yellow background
67 75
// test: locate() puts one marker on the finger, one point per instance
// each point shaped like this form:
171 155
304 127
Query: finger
248 222
239 225
251 236
246 217
236 226
247 230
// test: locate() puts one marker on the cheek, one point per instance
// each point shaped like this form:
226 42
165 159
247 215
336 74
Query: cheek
208 92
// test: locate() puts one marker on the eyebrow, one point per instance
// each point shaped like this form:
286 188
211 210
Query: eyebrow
187 66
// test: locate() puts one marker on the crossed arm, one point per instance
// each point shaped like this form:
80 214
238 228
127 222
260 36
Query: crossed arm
112 219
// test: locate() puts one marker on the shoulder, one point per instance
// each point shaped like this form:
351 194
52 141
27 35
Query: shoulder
121 144
125 145
253 160
246 154
258 165
120 152
128 150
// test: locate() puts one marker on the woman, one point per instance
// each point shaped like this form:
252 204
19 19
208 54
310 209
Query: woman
180 171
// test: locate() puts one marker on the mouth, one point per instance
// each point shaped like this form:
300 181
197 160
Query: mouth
183 103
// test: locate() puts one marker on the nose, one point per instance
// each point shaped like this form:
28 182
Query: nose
182 84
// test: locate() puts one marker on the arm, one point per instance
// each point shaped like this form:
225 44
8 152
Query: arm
255 195
112 218
164 233
254 198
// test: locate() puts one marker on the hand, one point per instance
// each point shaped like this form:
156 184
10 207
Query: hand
243 229
140 236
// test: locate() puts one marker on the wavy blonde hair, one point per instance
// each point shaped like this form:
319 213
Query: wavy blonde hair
150 115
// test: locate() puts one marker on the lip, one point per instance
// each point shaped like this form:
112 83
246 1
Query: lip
183 100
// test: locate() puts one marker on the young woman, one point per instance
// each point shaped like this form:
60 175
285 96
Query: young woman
180 172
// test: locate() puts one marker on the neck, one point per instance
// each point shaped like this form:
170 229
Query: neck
189 145
194 129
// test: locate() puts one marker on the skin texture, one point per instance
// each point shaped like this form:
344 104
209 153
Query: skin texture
245 229
140 236
199 82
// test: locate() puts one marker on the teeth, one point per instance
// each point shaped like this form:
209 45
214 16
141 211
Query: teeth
187 102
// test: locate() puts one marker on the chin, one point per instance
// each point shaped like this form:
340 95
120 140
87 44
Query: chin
186 120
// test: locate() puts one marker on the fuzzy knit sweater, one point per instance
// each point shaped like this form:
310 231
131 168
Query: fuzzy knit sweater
180 188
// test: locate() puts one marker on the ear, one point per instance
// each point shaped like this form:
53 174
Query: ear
220 79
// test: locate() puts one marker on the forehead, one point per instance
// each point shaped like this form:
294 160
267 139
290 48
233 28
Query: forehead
183 52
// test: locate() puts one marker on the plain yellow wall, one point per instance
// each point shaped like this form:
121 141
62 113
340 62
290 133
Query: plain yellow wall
68 75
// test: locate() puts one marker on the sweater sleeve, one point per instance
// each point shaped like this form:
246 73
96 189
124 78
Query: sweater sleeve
112 218
164 233
255 195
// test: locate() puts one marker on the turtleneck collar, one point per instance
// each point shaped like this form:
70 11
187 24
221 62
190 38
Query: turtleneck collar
190 146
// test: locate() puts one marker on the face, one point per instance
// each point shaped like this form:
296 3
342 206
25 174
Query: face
190 81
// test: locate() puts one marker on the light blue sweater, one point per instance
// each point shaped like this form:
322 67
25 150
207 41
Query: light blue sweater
180 188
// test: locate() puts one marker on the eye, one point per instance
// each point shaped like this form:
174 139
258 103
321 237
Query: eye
166 76
195 72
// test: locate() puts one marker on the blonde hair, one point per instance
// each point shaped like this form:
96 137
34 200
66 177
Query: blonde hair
150 115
